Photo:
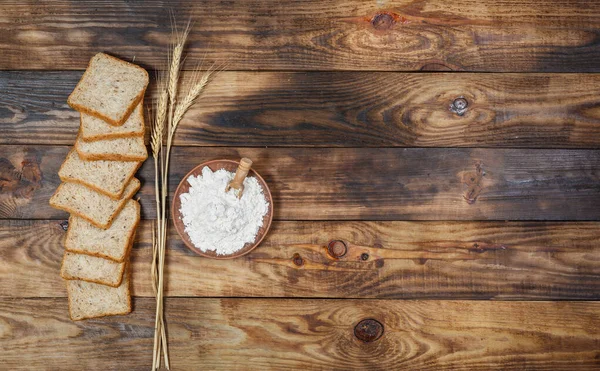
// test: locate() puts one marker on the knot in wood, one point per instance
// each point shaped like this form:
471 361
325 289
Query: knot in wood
383 21
459 106
474 182
297 259
368 330
337 249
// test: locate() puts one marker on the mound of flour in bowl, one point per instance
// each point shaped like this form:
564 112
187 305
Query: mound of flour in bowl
219 221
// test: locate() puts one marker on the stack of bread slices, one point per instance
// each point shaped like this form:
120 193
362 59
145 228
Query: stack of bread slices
98 185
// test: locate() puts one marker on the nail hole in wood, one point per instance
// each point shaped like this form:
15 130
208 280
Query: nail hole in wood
64 225
459 106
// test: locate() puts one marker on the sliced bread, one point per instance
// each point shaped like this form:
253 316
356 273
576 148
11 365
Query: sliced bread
91 269
107 177
112 243
93 128
98 209
92 300
119 149
110 89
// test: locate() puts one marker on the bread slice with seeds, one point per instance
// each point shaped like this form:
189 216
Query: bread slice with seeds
120 149
95 207
107 177
109 89
92 269
92 300
93 128
112 243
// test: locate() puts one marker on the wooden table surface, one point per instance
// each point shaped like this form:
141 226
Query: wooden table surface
472 235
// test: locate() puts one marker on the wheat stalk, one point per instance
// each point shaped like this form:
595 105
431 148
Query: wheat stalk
171 92
158 123
169 113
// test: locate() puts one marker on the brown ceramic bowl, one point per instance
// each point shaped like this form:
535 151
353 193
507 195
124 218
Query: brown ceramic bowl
184 187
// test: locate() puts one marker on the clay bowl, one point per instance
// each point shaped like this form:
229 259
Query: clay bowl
184 187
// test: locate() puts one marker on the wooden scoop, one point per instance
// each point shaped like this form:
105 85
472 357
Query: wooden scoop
237 182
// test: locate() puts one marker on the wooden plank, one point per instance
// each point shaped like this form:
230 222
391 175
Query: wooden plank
243 334
341 109
470 260
472 35
358 183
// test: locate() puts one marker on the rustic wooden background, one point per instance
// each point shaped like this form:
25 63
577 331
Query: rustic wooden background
472 237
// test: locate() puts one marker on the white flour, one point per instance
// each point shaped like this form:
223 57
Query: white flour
219 221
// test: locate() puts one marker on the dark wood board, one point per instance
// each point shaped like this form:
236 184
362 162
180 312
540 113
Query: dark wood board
339 109
433 260
471 35
471 236
357 183
266 334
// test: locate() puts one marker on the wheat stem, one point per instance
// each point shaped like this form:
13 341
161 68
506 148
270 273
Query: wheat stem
154 251
156 143
162 237
171 91
169 113
156 137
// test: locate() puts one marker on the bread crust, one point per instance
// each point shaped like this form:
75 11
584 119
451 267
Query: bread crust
112 157
91 112
114 196
89 219
65 276
108 157
97 114
109 135
127 311
130 240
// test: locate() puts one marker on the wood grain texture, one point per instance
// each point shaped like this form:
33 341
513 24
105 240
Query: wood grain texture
357 183
472 35
435 260
341 109
255 334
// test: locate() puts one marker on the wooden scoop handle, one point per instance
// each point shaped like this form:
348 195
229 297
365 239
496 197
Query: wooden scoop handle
241 173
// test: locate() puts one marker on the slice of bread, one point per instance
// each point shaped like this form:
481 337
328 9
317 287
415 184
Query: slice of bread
93 128
107 177
120 149
92 300
98 209
109 89
91 269
112 243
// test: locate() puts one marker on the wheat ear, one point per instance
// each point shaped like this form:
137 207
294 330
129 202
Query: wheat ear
190 98
158 120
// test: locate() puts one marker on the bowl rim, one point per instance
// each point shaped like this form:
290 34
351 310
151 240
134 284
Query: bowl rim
184 236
